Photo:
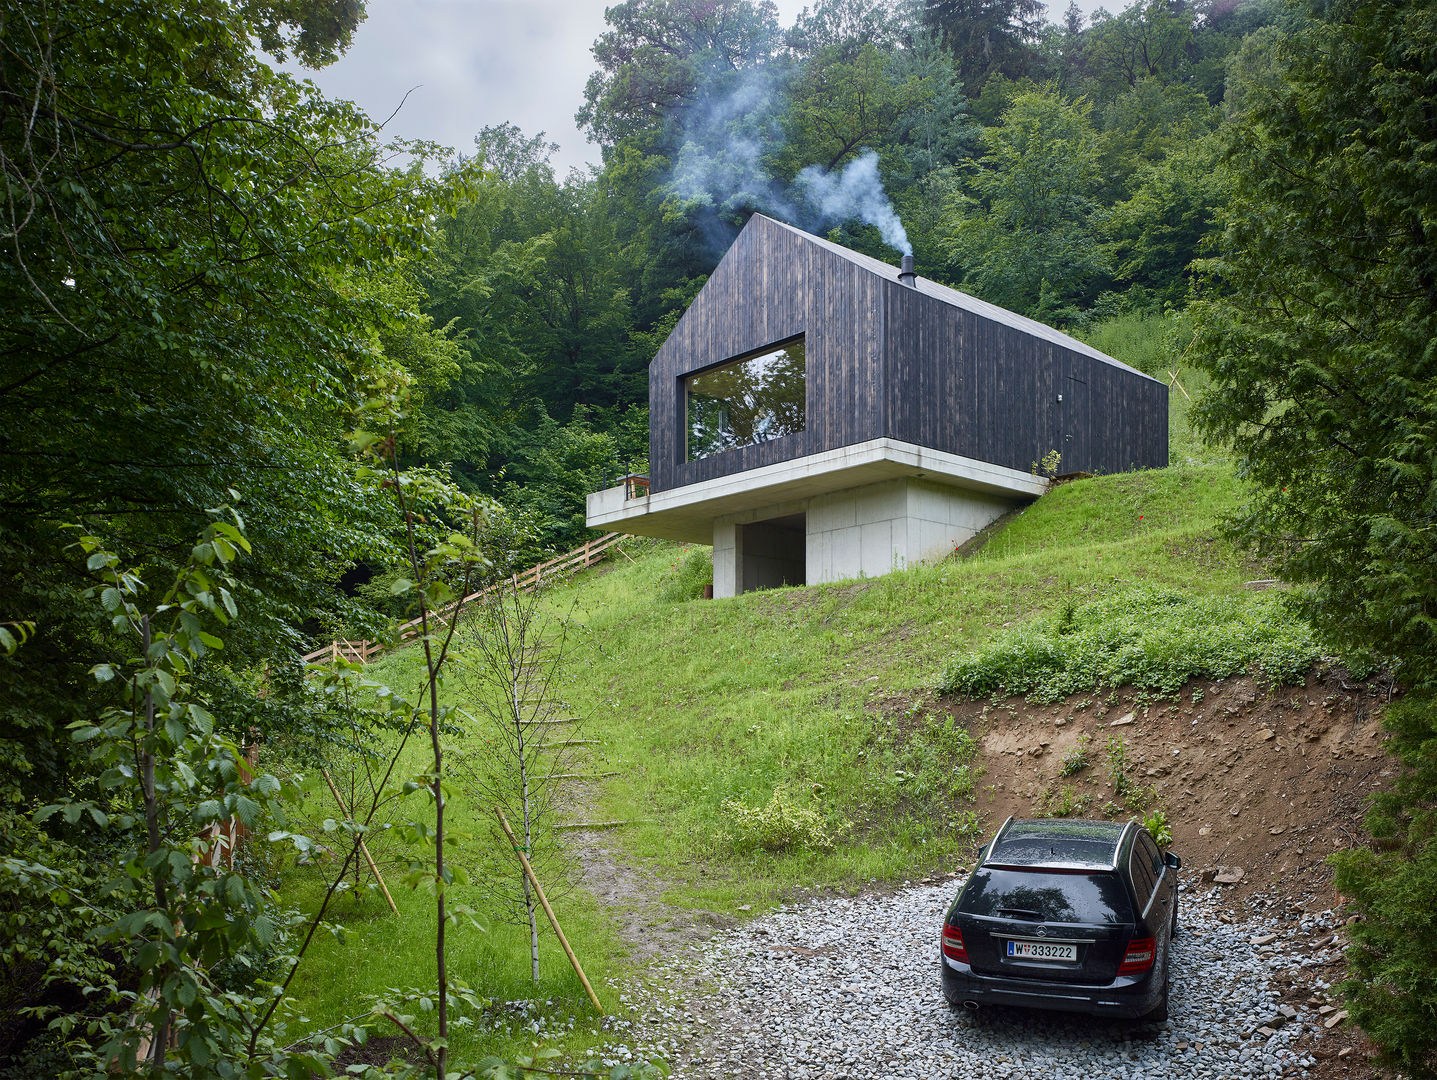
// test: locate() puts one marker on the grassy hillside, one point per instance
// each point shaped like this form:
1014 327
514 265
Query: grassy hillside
779 741
821 694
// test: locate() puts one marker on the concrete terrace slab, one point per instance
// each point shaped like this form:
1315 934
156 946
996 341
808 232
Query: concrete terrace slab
687 513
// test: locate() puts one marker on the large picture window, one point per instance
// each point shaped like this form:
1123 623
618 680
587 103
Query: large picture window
746 401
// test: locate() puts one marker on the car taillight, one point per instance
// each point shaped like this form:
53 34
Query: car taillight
953 946
1139 957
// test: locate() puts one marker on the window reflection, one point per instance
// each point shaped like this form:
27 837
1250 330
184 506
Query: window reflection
747 401
1067 897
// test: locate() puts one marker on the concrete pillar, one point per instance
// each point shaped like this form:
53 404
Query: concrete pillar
727 556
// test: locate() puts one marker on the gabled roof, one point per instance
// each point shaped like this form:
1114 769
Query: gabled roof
960 300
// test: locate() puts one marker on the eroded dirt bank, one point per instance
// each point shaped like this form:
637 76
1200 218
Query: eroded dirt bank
1267 781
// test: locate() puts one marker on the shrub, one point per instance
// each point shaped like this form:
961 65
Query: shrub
1143 636
1158 828
1390 990
779 826
1118 765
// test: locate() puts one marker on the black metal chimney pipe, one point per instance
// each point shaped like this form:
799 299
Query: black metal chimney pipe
906 275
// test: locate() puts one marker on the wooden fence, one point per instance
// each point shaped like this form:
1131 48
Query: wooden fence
361 652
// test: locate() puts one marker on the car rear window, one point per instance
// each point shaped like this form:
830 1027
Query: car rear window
1047 895
1075 844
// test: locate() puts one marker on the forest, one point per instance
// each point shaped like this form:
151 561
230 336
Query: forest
266 378
1066 171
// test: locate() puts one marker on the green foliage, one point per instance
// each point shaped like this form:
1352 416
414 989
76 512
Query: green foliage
1116 752
1064 802
1147 40
1076 759
780 825
1028 236
1158 828
1158 230
189 308
935 769
847 99
988 38
1318 330
656 58
176 914
692 573
1140 636
1389 988
551 468
47 946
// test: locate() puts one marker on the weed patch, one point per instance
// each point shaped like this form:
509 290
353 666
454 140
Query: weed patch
1076 759
1145 636
1065 802
688 576
781 825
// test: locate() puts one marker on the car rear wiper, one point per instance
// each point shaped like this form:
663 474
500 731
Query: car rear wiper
1020 912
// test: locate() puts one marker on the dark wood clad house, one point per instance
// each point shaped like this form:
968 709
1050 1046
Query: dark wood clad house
811 394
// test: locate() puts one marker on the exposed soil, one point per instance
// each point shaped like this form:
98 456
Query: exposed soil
379 1050
1268 782
632 896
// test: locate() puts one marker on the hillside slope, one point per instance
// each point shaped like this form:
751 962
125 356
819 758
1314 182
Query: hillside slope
826 695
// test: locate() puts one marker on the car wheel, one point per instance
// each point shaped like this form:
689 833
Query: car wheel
1175 916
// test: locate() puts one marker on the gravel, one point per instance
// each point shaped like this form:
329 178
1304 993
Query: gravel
848 988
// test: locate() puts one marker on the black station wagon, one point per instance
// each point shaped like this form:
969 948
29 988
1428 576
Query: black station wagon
1058 914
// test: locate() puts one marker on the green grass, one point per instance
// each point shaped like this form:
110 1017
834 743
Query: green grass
822 695
809 692
365 953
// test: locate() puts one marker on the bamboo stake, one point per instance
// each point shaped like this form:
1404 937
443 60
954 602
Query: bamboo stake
1179 385
362 847
529 873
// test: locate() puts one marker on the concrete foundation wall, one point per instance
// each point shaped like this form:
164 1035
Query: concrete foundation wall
866 531
869 531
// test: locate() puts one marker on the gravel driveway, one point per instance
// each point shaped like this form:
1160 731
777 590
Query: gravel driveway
849 988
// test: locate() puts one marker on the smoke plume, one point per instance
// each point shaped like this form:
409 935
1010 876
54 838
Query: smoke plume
721 165
854 193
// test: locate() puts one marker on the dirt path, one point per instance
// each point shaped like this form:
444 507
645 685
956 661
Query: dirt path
632 895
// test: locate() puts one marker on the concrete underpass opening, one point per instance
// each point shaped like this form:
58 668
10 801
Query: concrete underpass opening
772 553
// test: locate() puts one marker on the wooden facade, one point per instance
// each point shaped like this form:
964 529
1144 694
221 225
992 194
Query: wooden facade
923 364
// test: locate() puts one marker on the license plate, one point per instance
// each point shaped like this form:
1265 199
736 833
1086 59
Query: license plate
1041 950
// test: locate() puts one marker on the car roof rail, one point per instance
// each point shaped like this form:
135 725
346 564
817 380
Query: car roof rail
996 837
1003 828
1122 842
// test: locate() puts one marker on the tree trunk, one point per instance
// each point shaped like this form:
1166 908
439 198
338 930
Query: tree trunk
516 673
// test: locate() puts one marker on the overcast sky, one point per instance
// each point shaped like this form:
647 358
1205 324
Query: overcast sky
473 63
